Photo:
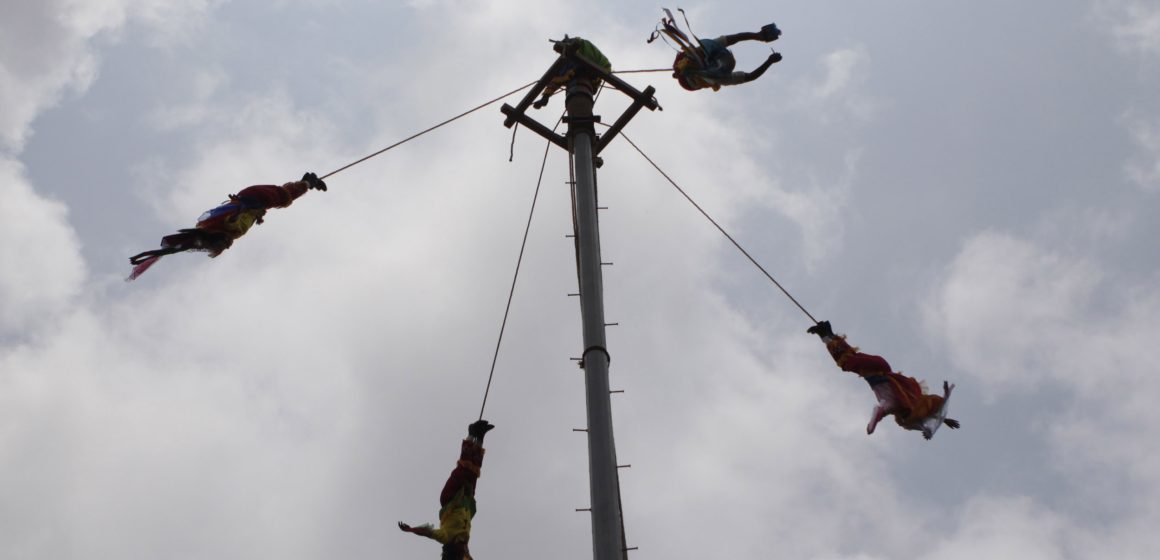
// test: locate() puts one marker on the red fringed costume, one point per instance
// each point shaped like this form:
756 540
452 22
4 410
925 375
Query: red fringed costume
910 404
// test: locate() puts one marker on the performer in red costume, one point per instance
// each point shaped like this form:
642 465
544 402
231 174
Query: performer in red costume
458 498
897 394
217 229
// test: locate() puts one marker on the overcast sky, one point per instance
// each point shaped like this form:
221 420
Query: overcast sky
970 189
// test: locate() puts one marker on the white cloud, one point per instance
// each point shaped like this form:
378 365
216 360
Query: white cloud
322 368
40 266
40 60
99 436
1135 24
1144 168
296 396
1005 303
230 409
992 527
170 22
840 70
836 95
818 211
202 87
1016 316
751 415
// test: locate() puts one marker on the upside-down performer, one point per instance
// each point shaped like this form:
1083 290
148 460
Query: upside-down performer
217 229
708 63
457 500
897 394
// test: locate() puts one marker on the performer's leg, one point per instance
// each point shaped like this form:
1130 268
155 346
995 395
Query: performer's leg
465 473
887 402
738 37
140 257
768 33
196 239
865 364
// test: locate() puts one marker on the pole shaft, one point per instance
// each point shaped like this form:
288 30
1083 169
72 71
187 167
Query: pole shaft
607 538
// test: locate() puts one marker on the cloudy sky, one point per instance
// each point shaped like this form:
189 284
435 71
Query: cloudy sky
968 188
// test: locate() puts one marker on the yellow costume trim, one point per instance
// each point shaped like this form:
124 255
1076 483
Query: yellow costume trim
238 224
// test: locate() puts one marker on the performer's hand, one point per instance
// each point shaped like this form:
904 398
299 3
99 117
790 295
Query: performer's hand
405 527
540 103
775 57
951 423
947 388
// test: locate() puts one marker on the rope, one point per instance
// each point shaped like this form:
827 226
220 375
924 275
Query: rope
519 261
418 134
512 150
642 71
719 228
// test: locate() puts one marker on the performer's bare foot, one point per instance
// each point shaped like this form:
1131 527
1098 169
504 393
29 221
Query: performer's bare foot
877 416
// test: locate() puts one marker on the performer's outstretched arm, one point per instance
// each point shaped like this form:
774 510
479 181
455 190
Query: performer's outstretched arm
767 34
424 530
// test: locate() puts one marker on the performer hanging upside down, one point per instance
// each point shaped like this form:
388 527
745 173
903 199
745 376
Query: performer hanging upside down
897 394
458 498
217 229
708 63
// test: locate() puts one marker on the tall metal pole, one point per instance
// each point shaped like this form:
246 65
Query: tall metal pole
607 535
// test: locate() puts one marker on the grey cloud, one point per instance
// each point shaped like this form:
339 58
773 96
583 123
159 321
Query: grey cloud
41 57
47 50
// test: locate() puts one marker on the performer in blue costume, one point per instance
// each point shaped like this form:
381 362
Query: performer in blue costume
708 63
